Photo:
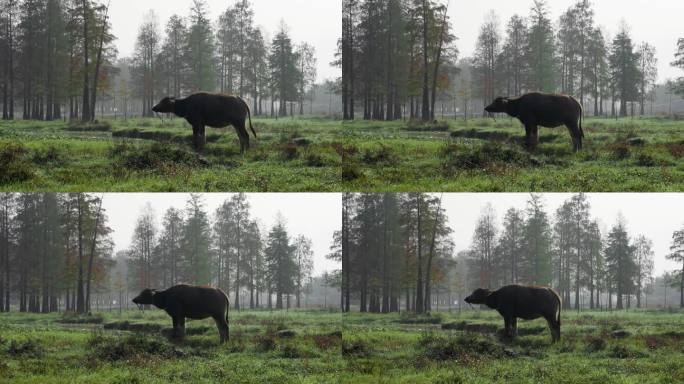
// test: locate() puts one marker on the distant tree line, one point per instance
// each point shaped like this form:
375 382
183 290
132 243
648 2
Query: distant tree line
399 60
231 57
397 55
566 251
230 252
58 60
55 251
396 250
398 254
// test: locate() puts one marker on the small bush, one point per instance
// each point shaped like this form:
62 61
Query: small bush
154 156
327 341
95 126
351 171
14 166
266 343
407 318
620 151
315 160
594 344
484 156
623 352
383 154
49 155
435 126
356 348
132 346
74 318
461 348
31 348
289 151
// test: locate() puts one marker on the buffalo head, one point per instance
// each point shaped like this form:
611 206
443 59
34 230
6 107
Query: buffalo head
146 297
167 105
499 105
479 296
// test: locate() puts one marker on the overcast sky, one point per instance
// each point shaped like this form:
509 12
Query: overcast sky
656 216
316 216
657 22
318 22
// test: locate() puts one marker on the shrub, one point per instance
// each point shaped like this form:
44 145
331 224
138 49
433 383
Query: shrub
594 344
289 151
483 156
154 156
356 348
266 343
383 154
31 348
14 166
461 348
95 126
49 155
620 151
623 352
74 318
131 346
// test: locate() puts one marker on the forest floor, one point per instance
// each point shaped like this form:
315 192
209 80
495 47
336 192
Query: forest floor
264 347
150 155
596 347
487 155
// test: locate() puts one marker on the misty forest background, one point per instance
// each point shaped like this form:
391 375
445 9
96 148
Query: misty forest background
400 60
59 60
57 253
399 255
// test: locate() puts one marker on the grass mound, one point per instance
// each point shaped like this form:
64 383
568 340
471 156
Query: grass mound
14 164
74 318
28 348
484 156
435 126
110 348
465 348
407 318
95 126
135 327
356 348
154 156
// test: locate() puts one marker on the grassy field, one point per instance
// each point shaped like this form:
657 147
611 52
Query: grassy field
595 347
264 347
150 155
487 155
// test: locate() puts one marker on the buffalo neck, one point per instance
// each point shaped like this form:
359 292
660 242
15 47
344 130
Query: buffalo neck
180 108
491 301
159 300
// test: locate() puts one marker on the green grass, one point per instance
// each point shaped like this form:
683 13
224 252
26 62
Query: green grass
408 349
37 348
151 155
487 155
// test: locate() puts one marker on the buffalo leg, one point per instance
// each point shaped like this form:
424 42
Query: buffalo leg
244 134
198 136
514 327
531 136
181 328
507 326
576 135
554 326
222 326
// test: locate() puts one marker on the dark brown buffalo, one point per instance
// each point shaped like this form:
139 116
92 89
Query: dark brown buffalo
517 301
186 301
548 110
214 110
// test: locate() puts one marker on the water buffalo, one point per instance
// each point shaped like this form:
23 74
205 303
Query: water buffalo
548 110
214 110
517 301
186 301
